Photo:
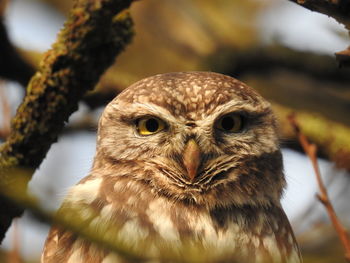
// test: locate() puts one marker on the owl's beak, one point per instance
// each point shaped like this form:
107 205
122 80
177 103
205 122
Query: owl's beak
191 158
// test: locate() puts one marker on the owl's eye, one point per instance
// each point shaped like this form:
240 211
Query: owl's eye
230 123
149 125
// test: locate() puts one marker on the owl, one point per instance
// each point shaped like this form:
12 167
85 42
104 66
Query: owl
187 169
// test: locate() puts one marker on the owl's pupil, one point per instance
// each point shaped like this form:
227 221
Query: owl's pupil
227 123
152 125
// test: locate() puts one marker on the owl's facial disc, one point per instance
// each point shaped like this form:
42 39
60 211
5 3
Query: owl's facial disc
199 136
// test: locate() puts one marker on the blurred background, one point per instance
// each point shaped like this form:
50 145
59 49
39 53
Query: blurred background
281 49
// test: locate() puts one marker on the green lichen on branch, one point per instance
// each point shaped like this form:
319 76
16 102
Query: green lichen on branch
70 220
87 45
332 138
77 221
94 33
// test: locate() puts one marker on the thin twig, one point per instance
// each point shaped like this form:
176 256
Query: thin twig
14 254
311 149
6 113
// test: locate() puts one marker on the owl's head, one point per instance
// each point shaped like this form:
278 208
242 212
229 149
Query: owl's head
196 137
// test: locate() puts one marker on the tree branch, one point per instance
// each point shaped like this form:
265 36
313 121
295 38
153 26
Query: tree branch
18 196
340 11
296 79
265 59
91 38
72 220
311 149
332 138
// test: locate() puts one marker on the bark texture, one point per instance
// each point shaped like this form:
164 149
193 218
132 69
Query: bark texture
94 33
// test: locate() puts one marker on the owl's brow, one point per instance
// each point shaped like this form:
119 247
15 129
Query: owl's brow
244 108
145 109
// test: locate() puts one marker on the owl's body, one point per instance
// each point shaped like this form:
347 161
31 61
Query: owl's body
188 166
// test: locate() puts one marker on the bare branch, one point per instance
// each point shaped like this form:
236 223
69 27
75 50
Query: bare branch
14 254
340 11
311 149
6 113
344 57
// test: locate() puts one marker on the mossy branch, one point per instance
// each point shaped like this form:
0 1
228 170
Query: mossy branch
332 138
295 79
71 221
94 33
69 218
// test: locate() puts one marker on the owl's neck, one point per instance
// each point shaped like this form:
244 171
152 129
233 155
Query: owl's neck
262 231
246 230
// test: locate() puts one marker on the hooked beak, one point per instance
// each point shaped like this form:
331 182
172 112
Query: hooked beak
191 158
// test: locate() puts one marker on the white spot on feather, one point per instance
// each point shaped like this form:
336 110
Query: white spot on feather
202 223
161 220
255 241
132 232
76 256
85 192
107 212
294 257
111 258
55 239
290 239
270 244
196 88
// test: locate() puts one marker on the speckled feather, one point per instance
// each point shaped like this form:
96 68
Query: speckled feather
139 193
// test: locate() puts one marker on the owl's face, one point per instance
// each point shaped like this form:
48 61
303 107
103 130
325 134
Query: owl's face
202 138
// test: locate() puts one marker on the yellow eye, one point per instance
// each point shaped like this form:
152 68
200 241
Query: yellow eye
230 123
149 125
